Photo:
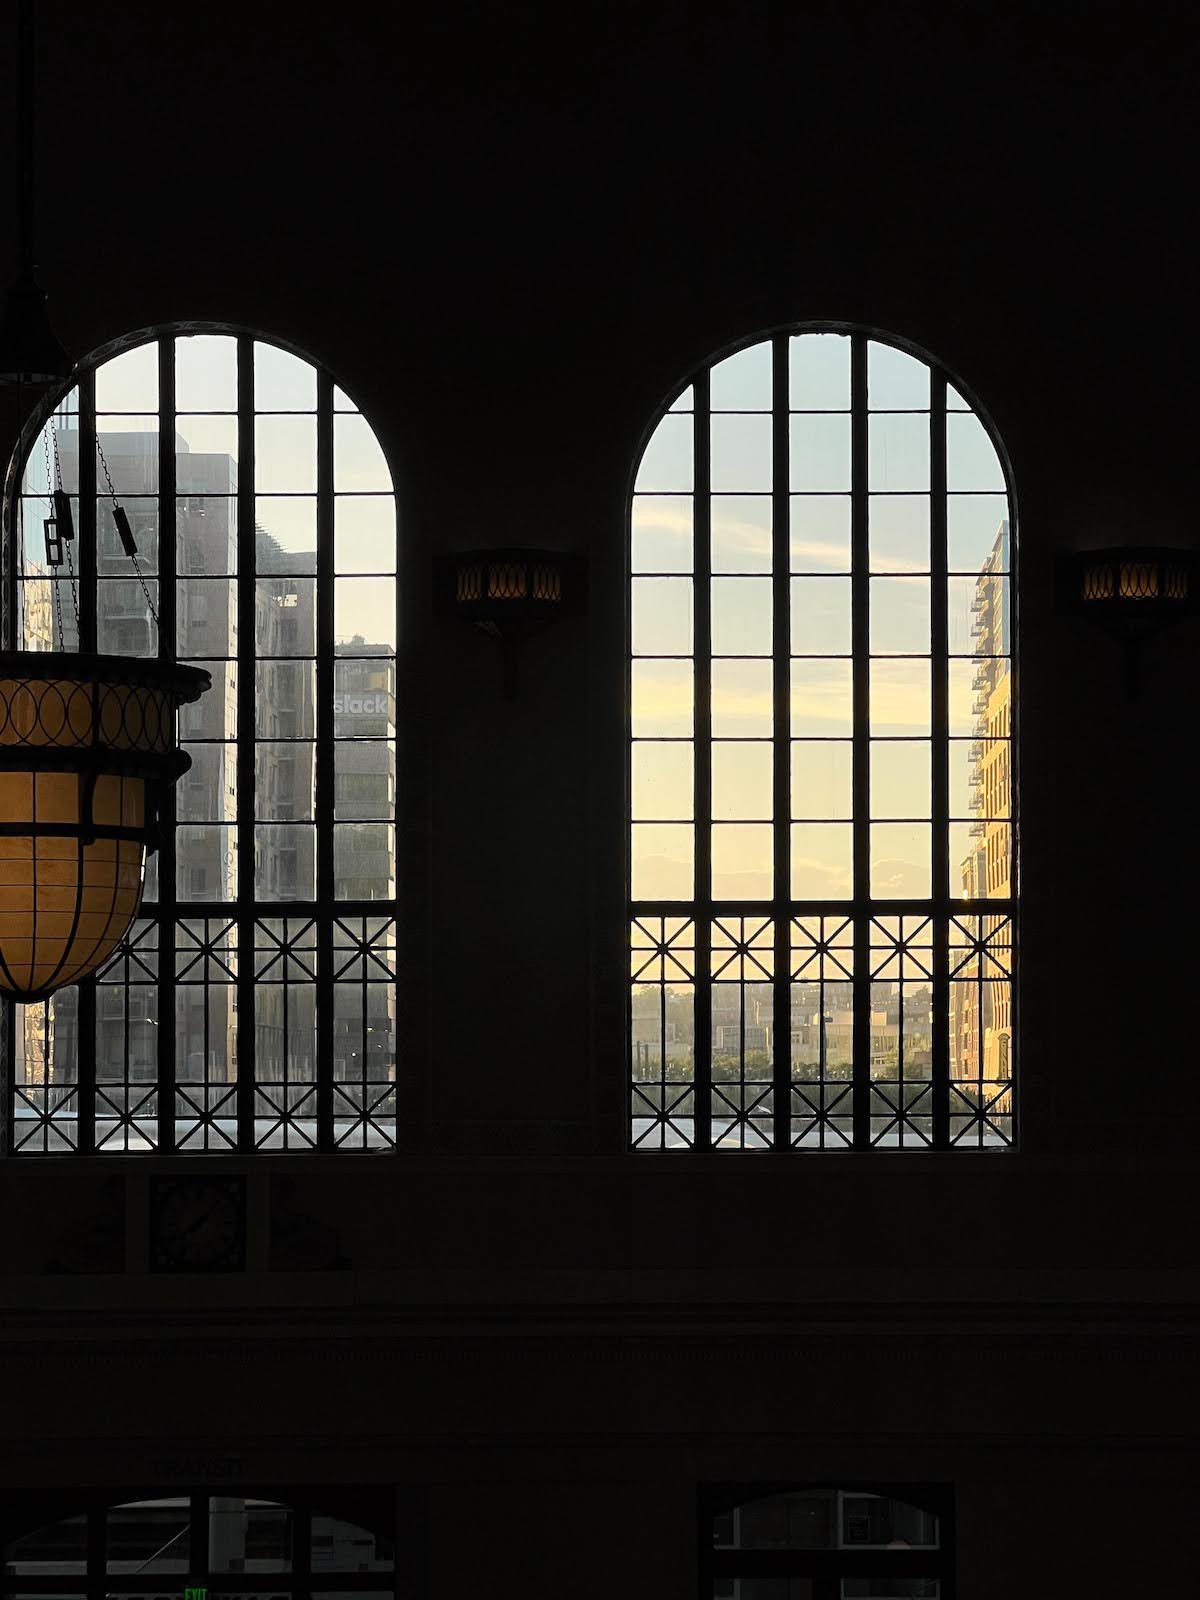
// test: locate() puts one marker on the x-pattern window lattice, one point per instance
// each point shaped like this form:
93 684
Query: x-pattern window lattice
253 1007
821 765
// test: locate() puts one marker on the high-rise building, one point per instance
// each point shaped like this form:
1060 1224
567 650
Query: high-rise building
981 1011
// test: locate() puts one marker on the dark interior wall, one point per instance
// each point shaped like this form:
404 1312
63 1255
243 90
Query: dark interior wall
509 242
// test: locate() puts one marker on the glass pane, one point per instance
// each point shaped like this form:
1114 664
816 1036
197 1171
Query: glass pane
285 622
822 697
663 780
283 382
285 699
285 455
822 779
48 620
663 861
980 778
899 532
364 861
980 615
142 515
741 616
285 533
662 699
206 535
741 699
662 616
740 454
130 449
284 776
151 1536
820 533
206 861
666 466
285 861
214 715
58 1549
742 382
899 616
206 455
819 372
895 381
662 533
364 698
207 792
820 616
342 401
364 782
741 533
339 1546
249 1535
822 856
364 533
977 532
206 373
743 858
901 778
820 454
981 859
129 382
898 452
900 860
358 459
742 781
364 616
124 624
899 697
971 459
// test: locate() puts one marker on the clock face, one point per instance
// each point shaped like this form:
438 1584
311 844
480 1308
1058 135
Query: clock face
197 1224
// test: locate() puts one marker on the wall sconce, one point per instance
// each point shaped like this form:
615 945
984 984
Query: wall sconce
1131 590
511 593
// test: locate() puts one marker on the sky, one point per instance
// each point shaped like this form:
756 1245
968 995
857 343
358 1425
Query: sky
898 531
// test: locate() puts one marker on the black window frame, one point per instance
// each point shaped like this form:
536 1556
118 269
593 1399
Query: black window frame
958 936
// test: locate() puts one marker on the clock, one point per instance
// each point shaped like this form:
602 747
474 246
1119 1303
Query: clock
198 1223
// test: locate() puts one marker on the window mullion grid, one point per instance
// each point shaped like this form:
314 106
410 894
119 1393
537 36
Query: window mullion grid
246 676
325 775
85 1042
940 728
166 649
702 644
861 772
781 1030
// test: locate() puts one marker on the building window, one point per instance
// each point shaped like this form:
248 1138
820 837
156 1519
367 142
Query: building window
188 1546
253 1006
827 1544
822 813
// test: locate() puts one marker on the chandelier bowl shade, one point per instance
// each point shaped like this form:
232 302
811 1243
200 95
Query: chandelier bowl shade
88 747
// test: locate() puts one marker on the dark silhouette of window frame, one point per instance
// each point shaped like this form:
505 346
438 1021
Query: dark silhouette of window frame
352 938
826 1569
955 940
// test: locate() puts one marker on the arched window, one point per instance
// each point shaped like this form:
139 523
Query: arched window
827 1544
190 1546
822 854
253 1006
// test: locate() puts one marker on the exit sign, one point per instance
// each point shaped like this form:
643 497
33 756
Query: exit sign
200 1593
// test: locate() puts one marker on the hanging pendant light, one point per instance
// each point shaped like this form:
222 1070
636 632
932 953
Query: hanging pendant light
87 749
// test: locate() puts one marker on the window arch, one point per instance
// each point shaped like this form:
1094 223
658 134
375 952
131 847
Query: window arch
822 884
253 1005
827 1543
232 1543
